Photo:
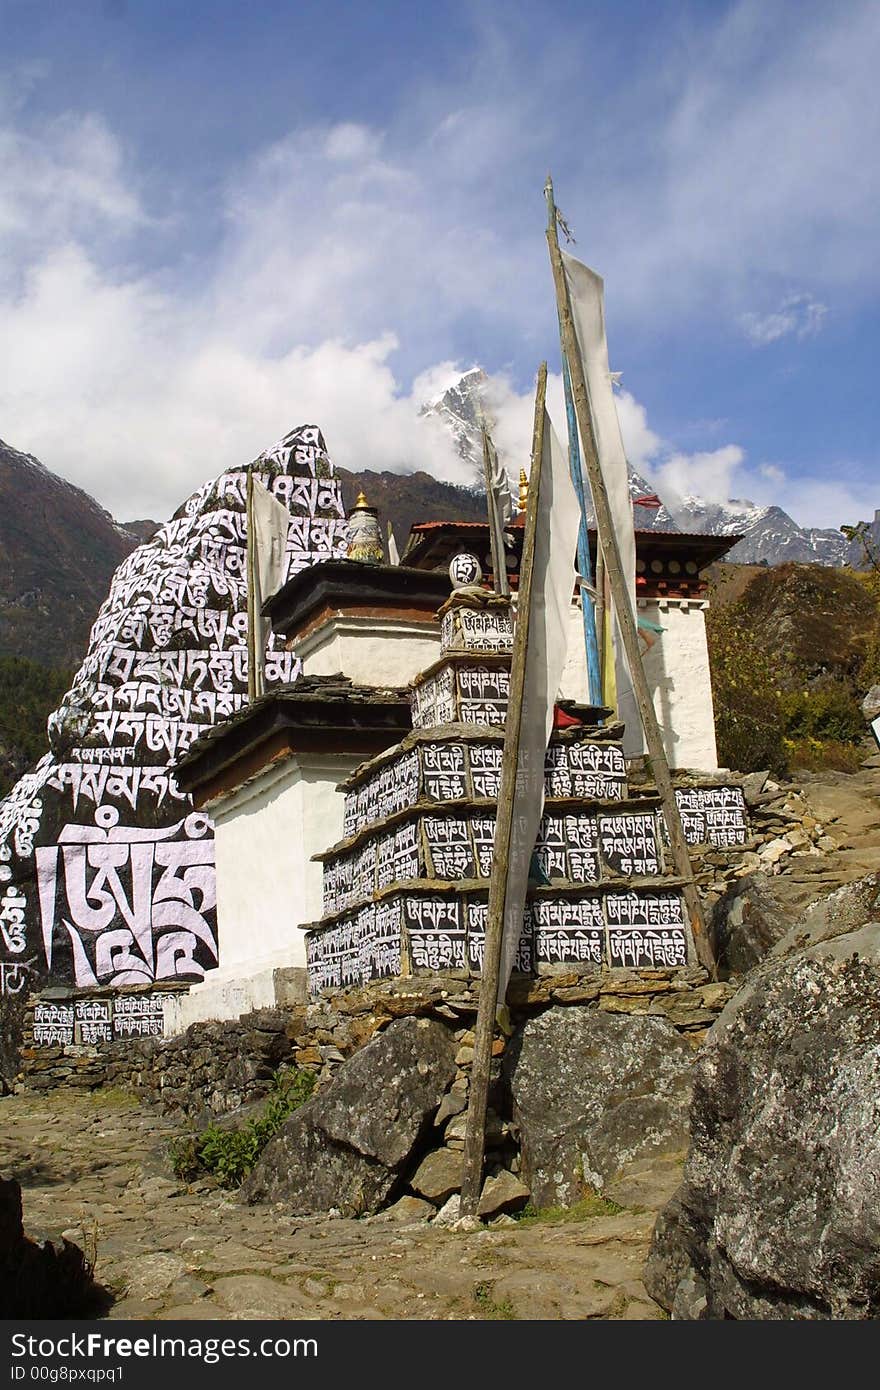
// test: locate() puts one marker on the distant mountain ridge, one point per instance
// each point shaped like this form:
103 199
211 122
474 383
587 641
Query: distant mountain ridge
59 548
769 535
58 552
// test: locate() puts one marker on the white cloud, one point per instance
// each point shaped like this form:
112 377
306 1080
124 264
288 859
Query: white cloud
798 314
714 475
64 179
640 441
342 260
814 501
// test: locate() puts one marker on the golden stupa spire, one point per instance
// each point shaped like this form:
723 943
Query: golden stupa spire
523 489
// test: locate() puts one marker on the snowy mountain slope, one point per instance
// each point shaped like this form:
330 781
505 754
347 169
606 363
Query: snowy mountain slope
769 535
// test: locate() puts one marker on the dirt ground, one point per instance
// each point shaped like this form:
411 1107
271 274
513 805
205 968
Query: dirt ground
95 1167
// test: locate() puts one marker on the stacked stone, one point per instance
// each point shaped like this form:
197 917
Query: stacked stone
406 889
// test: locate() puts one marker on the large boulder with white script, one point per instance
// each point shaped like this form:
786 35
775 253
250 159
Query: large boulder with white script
106 871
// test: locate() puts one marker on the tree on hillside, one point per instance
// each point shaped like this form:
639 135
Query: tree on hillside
28 694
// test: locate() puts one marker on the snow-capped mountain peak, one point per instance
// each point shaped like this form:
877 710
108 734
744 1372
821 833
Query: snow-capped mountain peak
769 534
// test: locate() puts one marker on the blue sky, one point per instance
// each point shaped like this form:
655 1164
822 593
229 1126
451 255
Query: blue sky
220 220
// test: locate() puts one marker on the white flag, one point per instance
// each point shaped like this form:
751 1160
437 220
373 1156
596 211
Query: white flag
587 295
393 555
499 504
268 524
553 578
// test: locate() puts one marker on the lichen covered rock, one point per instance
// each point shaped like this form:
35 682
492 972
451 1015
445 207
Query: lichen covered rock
347 1147
778 1215
592 1092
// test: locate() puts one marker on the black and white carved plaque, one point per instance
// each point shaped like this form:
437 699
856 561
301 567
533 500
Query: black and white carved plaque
596 771
485 761
138 1016
476 629
364 879
53 1025
477 913
433 700
713 815
568 931
483 693
629 843
93 1021
386 855
437 934
483 835
444 771
550 847
582 847
407 856
448 844
403 784
646 931
381 958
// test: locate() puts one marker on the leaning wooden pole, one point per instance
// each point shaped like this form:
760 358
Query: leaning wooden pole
475 1133
621 599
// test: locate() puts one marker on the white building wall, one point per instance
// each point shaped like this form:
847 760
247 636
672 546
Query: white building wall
265 834
677 668
371 651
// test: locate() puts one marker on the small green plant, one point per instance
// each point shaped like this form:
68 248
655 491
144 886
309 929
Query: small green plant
587 1209
230 1154
501 1310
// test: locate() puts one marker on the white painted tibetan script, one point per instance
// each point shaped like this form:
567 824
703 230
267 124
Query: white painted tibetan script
106 874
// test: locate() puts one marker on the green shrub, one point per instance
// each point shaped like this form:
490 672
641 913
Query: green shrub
230 1154
749 723
818 755
827 712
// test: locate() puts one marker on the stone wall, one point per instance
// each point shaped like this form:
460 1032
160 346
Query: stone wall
218 1066
215 1067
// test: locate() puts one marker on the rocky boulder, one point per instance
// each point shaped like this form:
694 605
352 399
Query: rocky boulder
849 909
593 1092
778 1215
41 1279
746 923
347 1147
871 703
12 1012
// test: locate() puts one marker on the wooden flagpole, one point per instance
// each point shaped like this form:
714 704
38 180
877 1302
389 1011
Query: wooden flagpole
475 1133
601 609
622 602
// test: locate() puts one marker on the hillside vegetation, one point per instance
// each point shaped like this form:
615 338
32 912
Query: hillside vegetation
28 694
793 651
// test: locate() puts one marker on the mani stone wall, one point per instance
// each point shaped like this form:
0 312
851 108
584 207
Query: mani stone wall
214 1068
106 871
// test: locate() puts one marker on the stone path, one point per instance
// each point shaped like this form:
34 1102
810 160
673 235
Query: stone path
95 1167
849 805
